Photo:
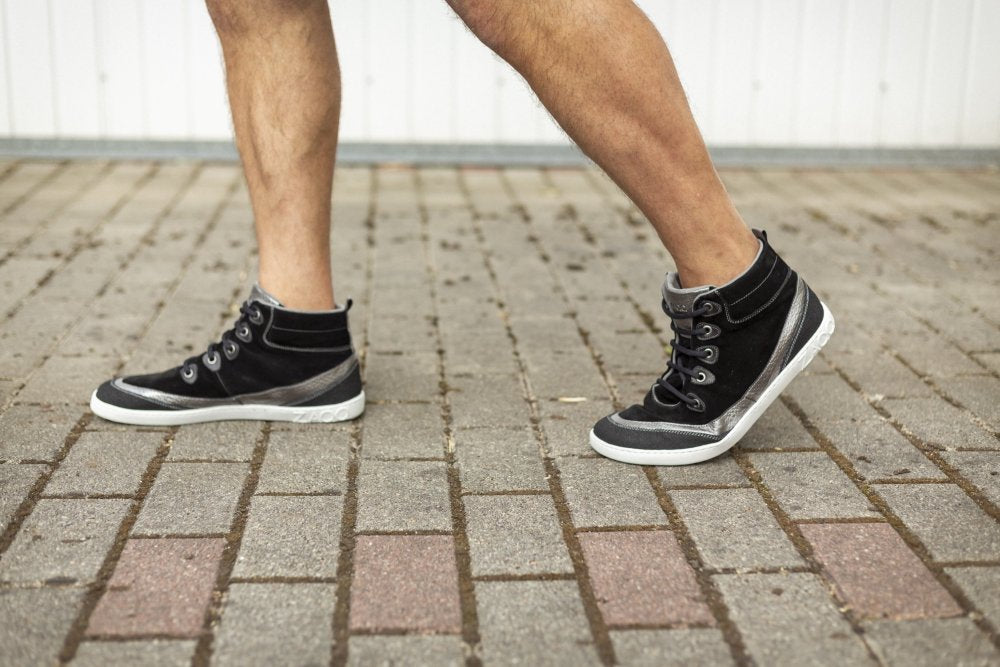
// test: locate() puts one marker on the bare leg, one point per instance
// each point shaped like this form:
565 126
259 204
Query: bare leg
284 91
603 71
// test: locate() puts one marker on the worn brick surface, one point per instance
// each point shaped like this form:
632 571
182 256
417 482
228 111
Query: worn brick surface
305 461
980 468
601 492
63 541
499 460
155 652
35 432
192 498
403 495
105 463
982 586
515 535
925 643
946 520
939 424
159 587
405 582
487 400
423 436
34 622
801 625
215 441
734 528
809 485
290 536
778 428
721 471
443 650
876 573
567 425
268 624
641 578
16 480
877 450
671 648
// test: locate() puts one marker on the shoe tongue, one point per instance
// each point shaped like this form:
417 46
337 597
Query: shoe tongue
260 295
681 299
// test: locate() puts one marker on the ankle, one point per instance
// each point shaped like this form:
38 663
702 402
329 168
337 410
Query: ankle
719 263
294 297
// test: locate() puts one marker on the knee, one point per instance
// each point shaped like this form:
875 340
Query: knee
489 20
239 16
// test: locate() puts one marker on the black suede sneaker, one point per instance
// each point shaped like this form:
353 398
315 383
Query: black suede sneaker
274 364
735 349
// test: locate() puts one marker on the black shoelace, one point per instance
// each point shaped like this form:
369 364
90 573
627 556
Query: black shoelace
228 343
676 382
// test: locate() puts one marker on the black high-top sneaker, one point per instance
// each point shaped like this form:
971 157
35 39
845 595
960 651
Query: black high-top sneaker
735 348
274 364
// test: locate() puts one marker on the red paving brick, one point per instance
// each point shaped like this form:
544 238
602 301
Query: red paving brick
876 573
405 582
641 578
160 587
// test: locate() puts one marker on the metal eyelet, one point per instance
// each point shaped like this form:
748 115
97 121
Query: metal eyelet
256 317
244 334
713 308
230 349
709 331
711 353
189 373
696 404
702 376
212 361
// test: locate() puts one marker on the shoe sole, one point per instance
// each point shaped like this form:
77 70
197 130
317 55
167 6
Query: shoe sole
682 457
336 412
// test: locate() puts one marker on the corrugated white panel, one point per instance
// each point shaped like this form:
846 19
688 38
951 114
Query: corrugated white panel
757 72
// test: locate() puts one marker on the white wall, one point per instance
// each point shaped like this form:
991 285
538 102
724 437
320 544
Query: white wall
758 72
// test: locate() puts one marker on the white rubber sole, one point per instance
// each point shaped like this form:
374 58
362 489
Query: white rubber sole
683 457
337 412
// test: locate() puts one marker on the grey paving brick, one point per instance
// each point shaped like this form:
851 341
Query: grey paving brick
487 400
105 463
877 450
529 622
950 525
671 648
403 430
809 485
778 428
403 495
192 499
931 642
16 480
556 374
982 586
790 619
291 536
69 380
721 471
35 432
34 623
305 461
215 441
734 528
938 423
980 468
154 652
444 650
499 460
601 492
880 374
515 535
567 425
402 377
268 624
63 541
828 397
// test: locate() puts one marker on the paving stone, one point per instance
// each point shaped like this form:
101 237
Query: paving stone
877 450
515 535
529 622
386 437
601 492
671 648
931 642
16 481
305 461
159 587
938 423
641 578
722 471
291 536
63 541
778 428
192 499
950 525
809 485
789 619
980 468
215 441
386 651
402 377
271 624
828 397
499 460
880 374
556 374
734 528
487 400
403 495
34 622
405 582
105 463
69 380
567 425
35 432
876 573
982 586
154 652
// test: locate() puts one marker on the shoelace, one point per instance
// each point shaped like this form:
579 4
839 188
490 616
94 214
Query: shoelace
212 359
685 374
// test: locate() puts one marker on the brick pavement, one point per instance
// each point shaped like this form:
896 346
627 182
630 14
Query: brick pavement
464 519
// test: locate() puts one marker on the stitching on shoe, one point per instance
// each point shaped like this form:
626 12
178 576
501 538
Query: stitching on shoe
763 307
760 284
270 343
